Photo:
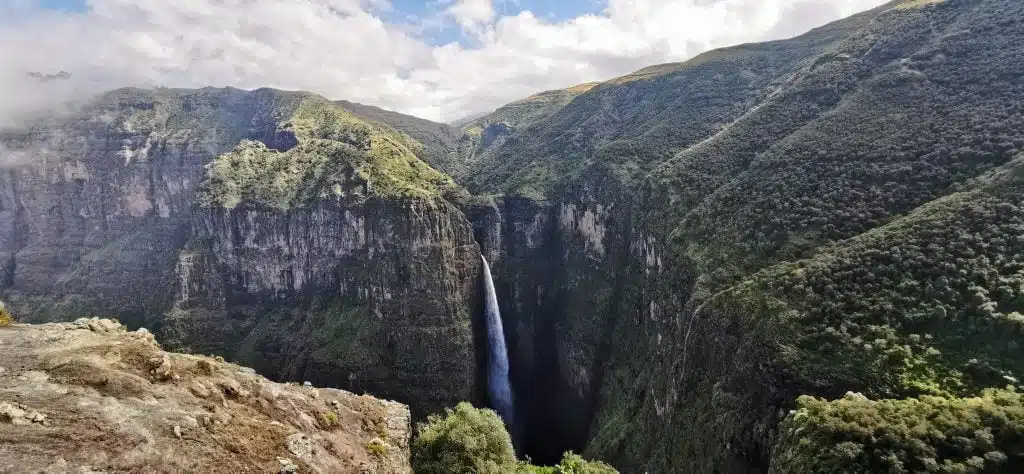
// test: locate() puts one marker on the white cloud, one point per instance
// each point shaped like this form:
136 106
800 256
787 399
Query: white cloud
472 14
345 49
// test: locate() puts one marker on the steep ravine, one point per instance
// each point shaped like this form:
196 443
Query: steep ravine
606 343
559 292
747 263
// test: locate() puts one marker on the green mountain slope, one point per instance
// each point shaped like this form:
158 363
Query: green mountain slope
818 215
335 154
443 145
522 113
631 123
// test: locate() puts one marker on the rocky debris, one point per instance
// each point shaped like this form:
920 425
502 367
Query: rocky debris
287 466
97 325
18 414
90 396
301 446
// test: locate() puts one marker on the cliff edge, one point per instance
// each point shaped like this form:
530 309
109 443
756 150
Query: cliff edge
90 396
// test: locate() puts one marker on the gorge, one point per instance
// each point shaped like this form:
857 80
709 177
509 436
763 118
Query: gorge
697 267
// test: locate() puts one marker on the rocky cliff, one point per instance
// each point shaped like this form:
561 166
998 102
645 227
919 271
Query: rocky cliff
276 228
90 396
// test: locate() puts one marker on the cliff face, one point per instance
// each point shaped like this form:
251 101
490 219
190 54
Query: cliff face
374 297
340 264
556 267
94 207
90 396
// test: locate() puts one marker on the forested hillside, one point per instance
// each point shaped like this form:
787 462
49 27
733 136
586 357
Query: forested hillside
836 212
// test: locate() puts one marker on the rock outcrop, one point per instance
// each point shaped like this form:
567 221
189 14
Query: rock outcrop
90 396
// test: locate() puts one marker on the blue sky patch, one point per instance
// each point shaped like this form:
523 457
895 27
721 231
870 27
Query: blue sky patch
64 5
428 14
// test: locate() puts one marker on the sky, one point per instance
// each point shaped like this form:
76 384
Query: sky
437 59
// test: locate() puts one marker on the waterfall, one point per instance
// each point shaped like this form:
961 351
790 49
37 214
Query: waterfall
497 357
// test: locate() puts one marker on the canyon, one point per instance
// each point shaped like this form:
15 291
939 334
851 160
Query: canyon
679 256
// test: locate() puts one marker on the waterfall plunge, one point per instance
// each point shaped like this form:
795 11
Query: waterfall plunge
497 357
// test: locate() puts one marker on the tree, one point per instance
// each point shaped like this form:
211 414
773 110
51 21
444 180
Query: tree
464 440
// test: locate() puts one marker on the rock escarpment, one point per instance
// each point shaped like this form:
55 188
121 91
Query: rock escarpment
373 297
89 396
272 227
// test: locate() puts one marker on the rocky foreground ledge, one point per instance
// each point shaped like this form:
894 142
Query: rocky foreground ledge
91 397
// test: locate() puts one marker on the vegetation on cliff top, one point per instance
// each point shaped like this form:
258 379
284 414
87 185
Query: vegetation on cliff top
443 146
335 154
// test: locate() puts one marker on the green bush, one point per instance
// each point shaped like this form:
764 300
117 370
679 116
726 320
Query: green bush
5 316
465 439
475 440
377 448
573 463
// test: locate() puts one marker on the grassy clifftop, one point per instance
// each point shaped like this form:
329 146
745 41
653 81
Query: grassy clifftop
332 154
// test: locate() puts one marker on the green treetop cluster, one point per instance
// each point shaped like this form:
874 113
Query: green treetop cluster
853 434
468 439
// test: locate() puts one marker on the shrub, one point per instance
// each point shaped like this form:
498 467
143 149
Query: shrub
377 448
5 316
329 420
573 463
465 439
469 439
